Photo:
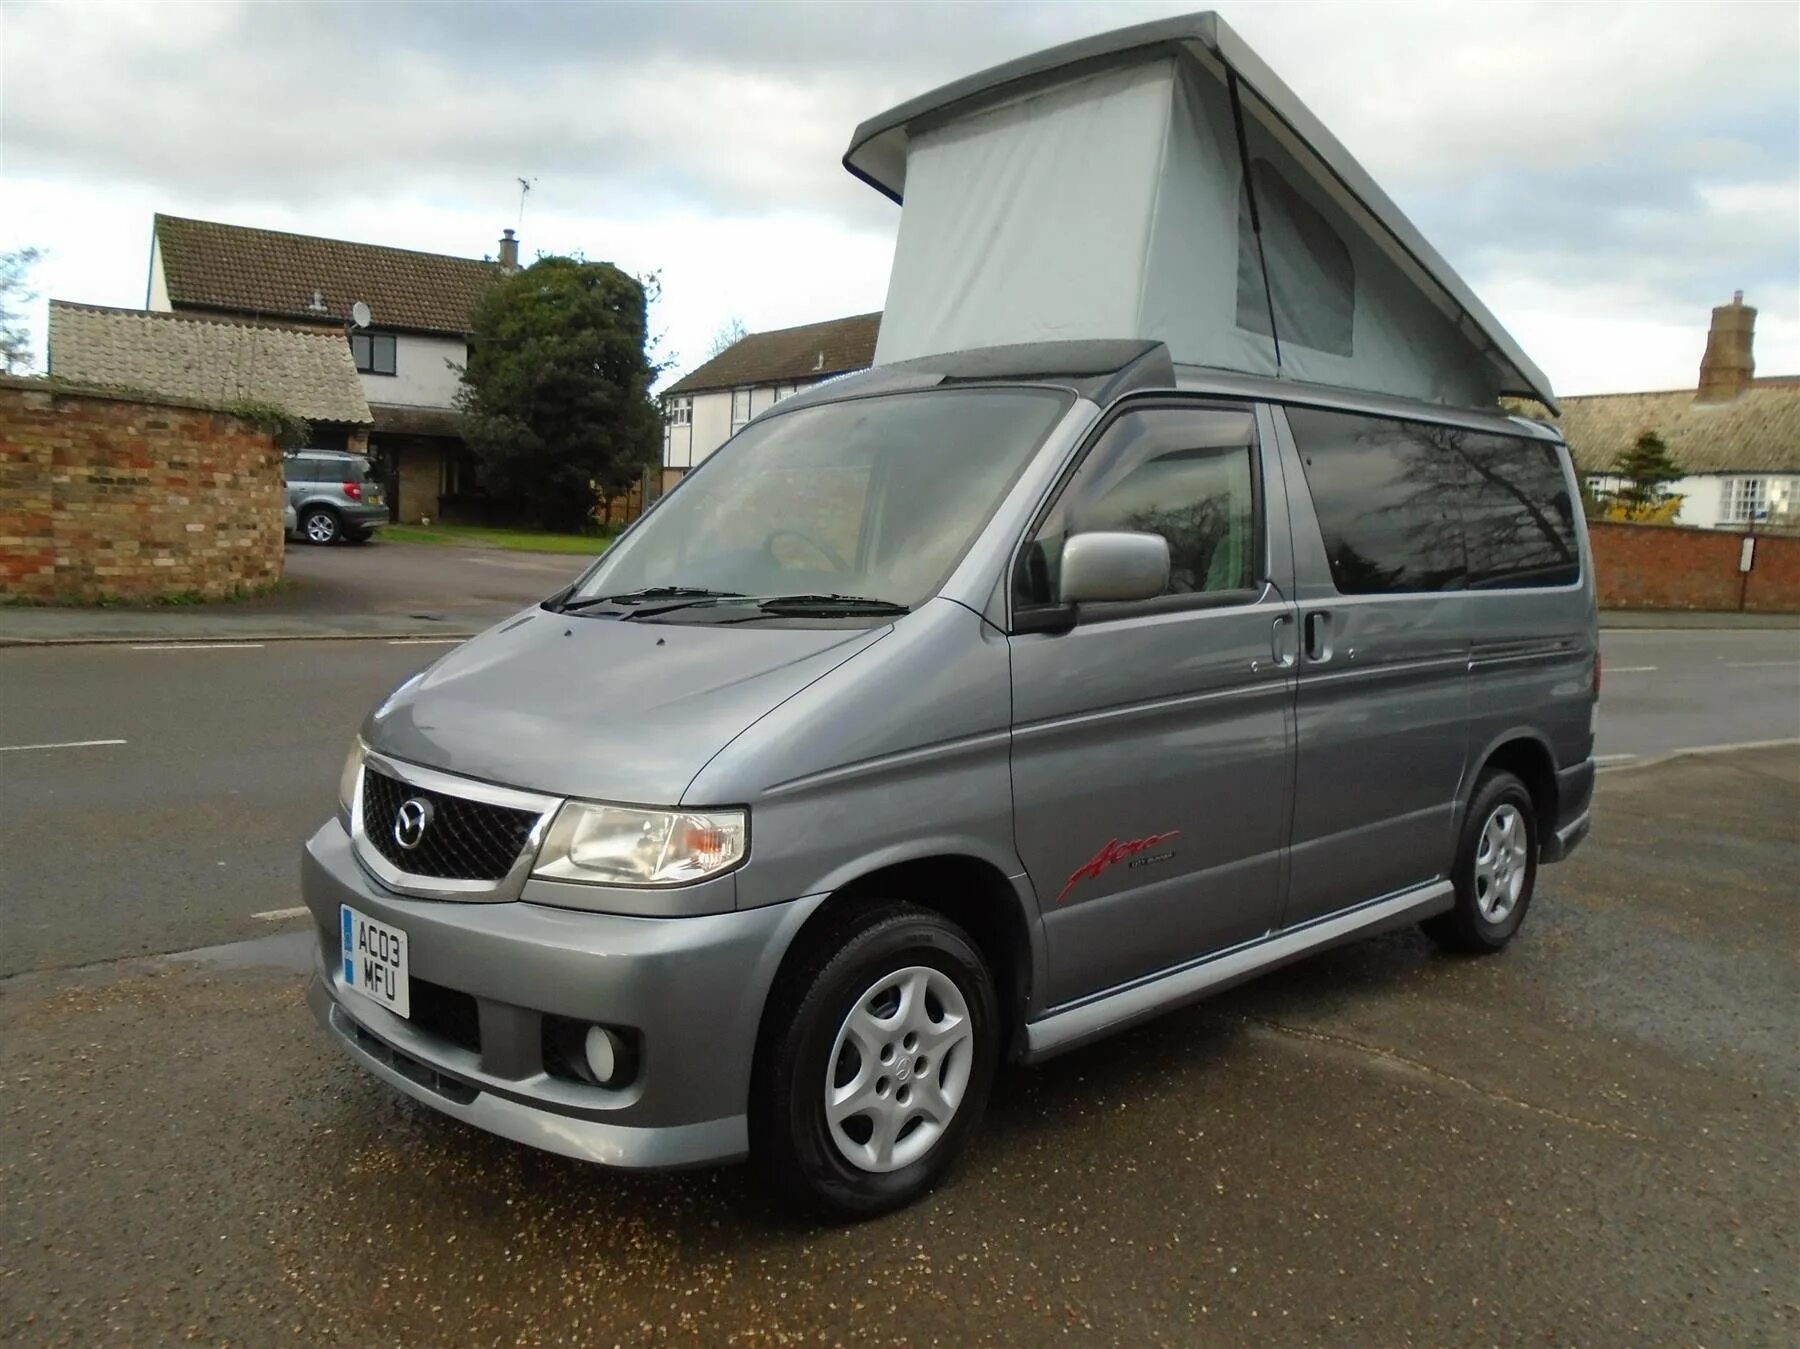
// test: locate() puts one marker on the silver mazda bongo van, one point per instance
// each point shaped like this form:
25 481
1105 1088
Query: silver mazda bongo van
959 712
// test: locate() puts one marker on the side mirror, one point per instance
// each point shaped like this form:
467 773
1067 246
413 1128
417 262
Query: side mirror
1114 566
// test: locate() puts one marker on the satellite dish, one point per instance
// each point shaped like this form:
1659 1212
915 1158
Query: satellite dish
360 315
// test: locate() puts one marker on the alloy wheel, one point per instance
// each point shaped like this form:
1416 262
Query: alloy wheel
1501 863
321 527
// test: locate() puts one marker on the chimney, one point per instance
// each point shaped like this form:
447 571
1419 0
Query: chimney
1726 368
509 252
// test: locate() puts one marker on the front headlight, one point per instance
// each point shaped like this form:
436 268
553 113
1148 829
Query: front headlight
617 845
350 776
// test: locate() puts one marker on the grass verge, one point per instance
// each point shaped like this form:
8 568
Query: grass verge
477 536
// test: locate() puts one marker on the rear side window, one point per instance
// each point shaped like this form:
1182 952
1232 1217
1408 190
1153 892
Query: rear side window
1519 523
1416 506
1184 473
1388 495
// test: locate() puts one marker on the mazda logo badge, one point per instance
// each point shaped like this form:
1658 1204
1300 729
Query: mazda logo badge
412 821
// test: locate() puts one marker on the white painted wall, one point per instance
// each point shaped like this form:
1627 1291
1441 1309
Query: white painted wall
1706 497
1702 500
421 376
158 296
712 423
685 446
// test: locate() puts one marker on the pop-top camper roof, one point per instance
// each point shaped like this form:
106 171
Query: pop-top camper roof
1161 182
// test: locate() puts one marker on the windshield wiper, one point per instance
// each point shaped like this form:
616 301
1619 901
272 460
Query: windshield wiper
829 605
630 597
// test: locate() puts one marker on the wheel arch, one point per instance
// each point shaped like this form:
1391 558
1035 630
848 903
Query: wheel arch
968 890
1527 756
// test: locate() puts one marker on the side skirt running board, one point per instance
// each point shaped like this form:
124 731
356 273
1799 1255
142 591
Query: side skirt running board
1086 1021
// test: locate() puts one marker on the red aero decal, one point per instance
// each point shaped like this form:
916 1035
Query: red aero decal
1111 855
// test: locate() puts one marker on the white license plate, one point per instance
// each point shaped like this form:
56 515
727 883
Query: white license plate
375 960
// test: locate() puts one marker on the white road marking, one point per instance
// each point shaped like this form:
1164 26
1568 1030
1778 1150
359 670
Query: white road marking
1652 760
1604 759
1758 664
63 744
1630 669
278 915
427 641
202 646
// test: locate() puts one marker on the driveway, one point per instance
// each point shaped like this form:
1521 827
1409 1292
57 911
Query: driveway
376 589
438 582
1589 1139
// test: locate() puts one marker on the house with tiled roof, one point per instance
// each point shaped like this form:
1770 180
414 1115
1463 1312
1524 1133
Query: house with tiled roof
408 359
210 362
708 405
1737 437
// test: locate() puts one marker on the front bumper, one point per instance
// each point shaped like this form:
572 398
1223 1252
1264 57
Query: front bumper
692 989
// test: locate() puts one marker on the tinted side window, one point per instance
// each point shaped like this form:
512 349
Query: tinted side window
292 471
1389 498
1187 474
1519 523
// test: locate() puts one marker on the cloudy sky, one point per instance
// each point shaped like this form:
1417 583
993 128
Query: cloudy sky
1601 174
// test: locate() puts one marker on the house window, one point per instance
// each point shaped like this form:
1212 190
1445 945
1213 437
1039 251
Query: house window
678 411
374 352
740 408
1746 500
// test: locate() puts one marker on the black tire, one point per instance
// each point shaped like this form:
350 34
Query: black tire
321 526
790 1134
1473 926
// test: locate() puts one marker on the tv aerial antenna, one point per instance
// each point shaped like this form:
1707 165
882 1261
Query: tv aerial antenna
525 186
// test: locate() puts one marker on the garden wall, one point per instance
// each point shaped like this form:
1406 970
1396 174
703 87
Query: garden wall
114 498
1672 567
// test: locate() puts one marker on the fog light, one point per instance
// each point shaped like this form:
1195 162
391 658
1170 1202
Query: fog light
604 1052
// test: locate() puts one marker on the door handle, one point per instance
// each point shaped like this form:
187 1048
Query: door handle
1318 637
1284 645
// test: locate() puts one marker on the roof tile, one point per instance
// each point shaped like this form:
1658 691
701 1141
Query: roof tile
1758 431
251 271
215 363
812 351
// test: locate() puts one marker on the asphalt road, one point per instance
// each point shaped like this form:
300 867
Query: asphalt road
1671 689
178 837
1591 1139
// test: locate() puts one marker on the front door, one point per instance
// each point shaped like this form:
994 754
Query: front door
1153 741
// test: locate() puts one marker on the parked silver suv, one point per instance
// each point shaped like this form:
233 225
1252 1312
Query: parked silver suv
335 495
962 711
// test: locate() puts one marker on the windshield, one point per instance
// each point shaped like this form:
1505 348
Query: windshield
873 499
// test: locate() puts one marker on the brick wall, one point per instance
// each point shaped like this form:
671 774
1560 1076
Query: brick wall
1669 567
106 498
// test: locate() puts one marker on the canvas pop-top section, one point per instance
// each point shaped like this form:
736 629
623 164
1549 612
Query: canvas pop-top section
1161 183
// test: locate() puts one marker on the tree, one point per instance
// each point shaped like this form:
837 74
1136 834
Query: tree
1644 472
555 399
15 338
729 334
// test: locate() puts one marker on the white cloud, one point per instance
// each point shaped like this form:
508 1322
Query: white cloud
1601 173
